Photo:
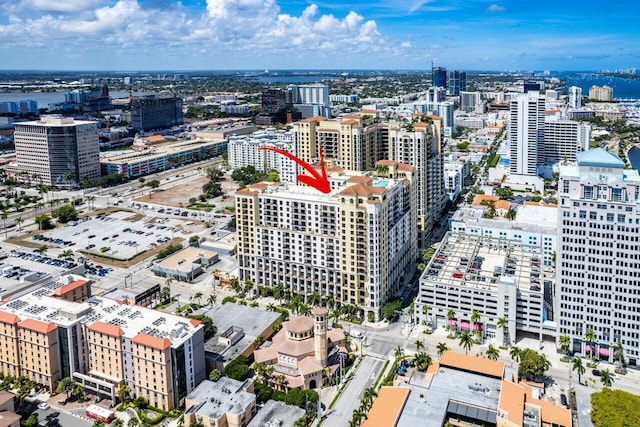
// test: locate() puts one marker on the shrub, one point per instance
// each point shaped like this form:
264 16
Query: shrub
105 249
237 369
231 299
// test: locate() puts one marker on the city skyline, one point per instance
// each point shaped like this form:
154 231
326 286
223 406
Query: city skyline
272 34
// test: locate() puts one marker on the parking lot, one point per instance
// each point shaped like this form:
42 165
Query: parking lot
119 235
23 266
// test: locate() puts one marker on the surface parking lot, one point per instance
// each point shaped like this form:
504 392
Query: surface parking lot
117 235
22 266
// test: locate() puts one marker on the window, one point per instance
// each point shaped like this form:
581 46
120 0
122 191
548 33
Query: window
565 186
587 192
616 194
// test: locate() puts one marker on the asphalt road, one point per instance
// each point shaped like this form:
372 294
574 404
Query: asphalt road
364 377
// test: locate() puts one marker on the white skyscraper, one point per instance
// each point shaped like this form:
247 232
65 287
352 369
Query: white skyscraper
526 133
563 139
598 260
575 97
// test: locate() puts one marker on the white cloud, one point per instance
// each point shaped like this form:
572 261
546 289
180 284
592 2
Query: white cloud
495 8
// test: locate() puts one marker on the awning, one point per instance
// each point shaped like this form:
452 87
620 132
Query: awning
478 327
603 351
453 322
588 349
465 325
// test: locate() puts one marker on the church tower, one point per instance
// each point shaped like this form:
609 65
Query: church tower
320 334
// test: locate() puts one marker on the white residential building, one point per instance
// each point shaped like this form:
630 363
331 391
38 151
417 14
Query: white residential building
601 93
468 101
357 243
575 97
454 176
526 132
563 139
245 150
598 254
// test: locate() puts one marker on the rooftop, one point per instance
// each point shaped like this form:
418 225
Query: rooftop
214 399
183 259
387 407
474 364
276 413
599 157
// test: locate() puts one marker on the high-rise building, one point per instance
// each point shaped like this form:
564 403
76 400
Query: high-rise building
439 77
421 149
601 93
356 243
245 150
526 133
575 97
436 94
154 112
469 100
597 257
312 100
58 150
101 344
273 100
457 82
563 139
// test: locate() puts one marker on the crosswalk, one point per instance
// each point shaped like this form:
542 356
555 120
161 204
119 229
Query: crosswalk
377 355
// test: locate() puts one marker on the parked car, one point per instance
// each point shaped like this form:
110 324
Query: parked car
596 373
43 406
563 400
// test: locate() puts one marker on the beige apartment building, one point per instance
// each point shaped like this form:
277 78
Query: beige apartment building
101 344
355 243
224 403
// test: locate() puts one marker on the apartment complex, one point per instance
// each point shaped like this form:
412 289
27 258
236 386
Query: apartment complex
247 150
101 344
156 112
601 93
495 276
58 150
226 402
421 149
563 139
526 133
599 227
356 243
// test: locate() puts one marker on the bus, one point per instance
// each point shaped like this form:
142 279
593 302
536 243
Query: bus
99 413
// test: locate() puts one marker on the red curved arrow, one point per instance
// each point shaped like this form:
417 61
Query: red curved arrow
317 181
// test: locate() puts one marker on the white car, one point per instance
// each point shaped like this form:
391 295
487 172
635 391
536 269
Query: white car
43 406
355 333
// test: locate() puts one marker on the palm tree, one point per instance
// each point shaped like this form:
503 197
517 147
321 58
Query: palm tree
504 325
475 318
515 353
606 378
42 250
335 315
133 422
19 222
442 347
212 299
423 361
278 292
314 299
66 385
287 295
565 342
305 310
578 367
123 391
67 253
511 214
271 307
450 316
330 301
69 176
590 337
492 353
90 200
398 352
419 345
466 341
198 296
368 396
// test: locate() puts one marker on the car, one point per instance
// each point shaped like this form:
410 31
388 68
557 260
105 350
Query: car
596 373
563 400
355 333
43 406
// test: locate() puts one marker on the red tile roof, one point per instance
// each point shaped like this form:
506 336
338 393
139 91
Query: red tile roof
107 329
9 318
151 341
38 326
69 287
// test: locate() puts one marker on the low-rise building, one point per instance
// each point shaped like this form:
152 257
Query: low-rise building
275 413
226 402
186 264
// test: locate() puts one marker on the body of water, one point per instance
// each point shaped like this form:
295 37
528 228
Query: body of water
622 88
45 98
634 158
293 79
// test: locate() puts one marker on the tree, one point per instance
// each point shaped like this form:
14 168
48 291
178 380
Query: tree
248 175
330 301
198 296
314 299
475 318
492 353
123 391
615 408
511 214
466 341
117 423
398 352
618 354
43 221
423 361
278 292
532 365
67 253
419 345
66 385
19 221
606 378
215 375
427 254
153 184
565 343
237 369
211 300
577 366
214 173
42 250
502 323
442 347
133 422
305 310
390 309
515 353
98 423
31 421
65 213
590 337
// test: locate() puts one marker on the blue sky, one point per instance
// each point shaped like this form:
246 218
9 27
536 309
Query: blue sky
327 34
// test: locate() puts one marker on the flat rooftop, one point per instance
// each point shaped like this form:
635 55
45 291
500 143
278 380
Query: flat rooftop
223 396
482 262
278 414
132 320
183 259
